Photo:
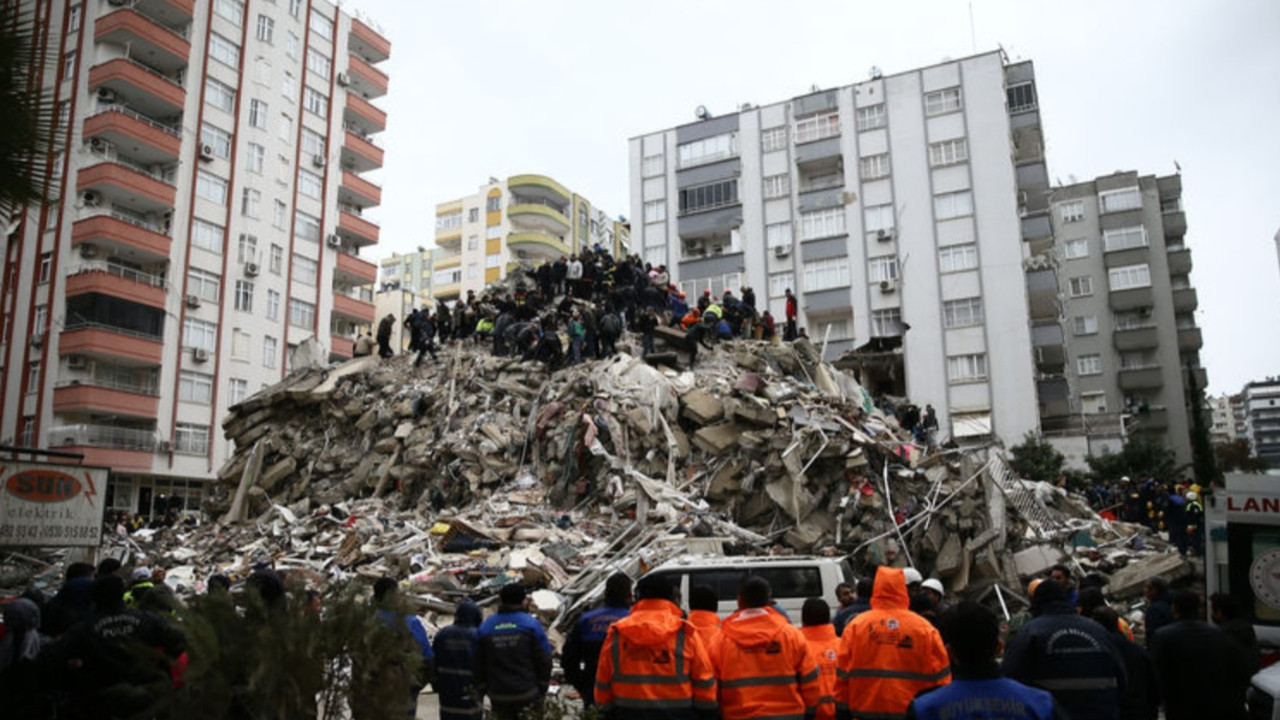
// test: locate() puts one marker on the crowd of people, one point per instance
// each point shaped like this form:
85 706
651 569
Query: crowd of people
1175 507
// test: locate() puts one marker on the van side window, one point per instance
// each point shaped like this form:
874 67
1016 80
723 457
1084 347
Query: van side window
725 582
792 582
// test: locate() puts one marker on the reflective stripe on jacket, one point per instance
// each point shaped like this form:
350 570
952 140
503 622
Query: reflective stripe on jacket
765 667
654 667
888 654
825 645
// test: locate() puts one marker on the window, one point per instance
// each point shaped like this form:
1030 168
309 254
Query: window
266 28
953 205
473 242
942 101
306 226
652 165
817 127
315 101
967 368
276 259
875 167
778 235
777 186
962 313
312 142
449 221
244 295
826 274
68 65
1080 286
1130 321
305 270
250 201
73 20
1089 365
322 26
1022 97
33 376
195 387
247 248
871 117
883 268
257 113
257 157
780 283
273 305
302 314
493 204
310 184
774 139
493 261
822 223
958 257
288 85
879 217
190 439
199 334
232 10
216 138
211 187
1124 238
473 271
473 215
1118 200
269 349
291 45
318 62
1129 276
278 214
1093 403
706 197
716 284
295 7
219 95
224 51
237 389
707 150
447 277
655 211
207 236
1076 249
1071 211
46 266
886 322
948 152
1086 324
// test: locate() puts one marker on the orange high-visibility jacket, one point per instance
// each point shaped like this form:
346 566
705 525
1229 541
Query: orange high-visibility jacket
888 654
654 666
707 623
825 645
764 667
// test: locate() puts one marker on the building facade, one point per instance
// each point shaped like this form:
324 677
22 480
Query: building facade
899 210
1261 402
1222 428
211 209
1129 306
524 218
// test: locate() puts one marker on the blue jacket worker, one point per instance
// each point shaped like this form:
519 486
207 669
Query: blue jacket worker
512 662
581 654
454 645
384 597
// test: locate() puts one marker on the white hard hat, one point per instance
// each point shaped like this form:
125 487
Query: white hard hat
1192 496
933 584
913 575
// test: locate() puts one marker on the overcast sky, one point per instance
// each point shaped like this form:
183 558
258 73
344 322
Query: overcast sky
557 87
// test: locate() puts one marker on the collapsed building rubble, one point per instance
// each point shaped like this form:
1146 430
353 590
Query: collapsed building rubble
477 470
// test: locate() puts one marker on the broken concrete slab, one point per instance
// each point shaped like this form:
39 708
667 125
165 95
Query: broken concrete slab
701 406
1127 582
1036 560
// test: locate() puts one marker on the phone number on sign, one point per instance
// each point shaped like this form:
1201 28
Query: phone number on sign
48 532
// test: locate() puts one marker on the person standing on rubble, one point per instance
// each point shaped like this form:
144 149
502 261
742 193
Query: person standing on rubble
512 662
454 646
581 653
573 277
384 336
424 334
792 312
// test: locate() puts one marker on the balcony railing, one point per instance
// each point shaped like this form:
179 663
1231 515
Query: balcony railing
165 176
103 436
175 80
358 131
148 387
120 271
87 324
535 201
104 108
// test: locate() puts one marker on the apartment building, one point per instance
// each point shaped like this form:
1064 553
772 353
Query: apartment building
1261 401
211 210
899 210
522 219
1129 306
1222 428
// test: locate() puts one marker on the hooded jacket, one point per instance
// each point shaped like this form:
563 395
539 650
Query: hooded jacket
888 654
453 647
765 667
707 623
580 655
825 645
654 667
512 662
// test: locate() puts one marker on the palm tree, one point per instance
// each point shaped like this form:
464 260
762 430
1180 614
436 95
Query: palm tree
28 114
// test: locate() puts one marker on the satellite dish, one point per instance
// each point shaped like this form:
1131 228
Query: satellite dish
702 113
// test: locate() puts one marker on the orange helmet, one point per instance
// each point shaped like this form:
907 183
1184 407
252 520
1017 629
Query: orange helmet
1031 586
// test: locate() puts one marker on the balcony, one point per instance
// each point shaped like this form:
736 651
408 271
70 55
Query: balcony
539 186
1179 261
1136 338
356 229
149 91
818 151
122 235
1151 419
341 346
1126 257
445 263
1148 377
1175 223
354 270
363 117
446 292
355 190
1133 299
366 80
147 141
360 155
536 246
172 13
1196 375
115 280
539 215
369 43
353 309
1185 300
1190 339
107 341
131 186
449 239
127 401
164 49
107 446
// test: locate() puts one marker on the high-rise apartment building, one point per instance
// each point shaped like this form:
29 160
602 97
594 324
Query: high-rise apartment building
899 210
209 218
1129 306
1222 426
524 218
1261 402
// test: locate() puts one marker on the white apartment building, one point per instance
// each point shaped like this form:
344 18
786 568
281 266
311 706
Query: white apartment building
211 211
899 210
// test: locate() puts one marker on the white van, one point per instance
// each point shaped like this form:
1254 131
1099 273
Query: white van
793 579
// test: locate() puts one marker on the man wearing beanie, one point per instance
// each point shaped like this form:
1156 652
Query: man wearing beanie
512 664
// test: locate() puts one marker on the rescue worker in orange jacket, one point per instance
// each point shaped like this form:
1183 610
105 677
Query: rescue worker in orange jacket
825 644
763 663
692 318
703 603
888 654
652 665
